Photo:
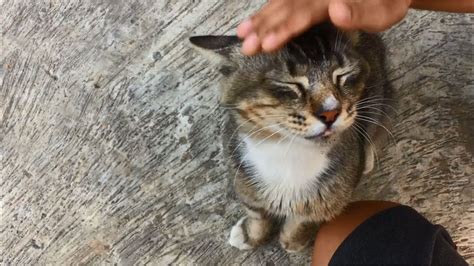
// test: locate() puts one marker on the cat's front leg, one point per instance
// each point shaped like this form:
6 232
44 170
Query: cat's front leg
296 233
251 230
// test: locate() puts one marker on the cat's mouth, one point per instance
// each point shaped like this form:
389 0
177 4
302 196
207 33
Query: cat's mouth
323 135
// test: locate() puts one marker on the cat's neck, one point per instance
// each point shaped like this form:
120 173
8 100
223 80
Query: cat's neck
292 162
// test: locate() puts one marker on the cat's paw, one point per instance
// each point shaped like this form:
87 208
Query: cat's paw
292 246
238 237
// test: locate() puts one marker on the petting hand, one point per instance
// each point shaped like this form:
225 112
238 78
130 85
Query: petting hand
280 20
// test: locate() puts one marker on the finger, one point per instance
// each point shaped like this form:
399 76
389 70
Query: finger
275 41
295 25
369 15
341 14
273 22
251 45
245 28
272 12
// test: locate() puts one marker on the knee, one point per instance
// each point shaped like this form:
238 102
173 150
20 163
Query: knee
334 232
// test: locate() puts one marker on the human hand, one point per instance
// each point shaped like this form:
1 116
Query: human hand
280 20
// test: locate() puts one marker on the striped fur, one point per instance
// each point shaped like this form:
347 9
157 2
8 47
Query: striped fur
288 164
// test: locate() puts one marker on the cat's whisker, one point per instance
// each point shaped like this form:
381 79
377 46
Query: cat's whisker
380 125
345 45
368 118
263 128
372 103
238 168
339 35
364 134
375 122
240 126
282 139
373 99
289 145
358 133
354 131
263 140
375 110
378 112
250 120
338 40
379 104
252 134
370 98
380 83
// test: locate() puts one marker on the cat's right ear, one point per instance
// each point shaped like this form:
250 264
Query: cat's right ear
219 49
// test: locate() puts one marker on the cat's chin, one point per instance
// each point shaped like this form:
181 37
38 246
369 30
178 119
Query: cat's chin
326 134
323 138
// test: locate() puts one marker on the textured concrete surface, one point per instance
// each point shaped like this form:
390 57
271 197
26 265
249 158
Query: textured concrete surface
109 133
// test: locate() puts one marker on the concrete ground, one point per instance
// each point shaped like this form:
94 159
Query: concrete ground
109 133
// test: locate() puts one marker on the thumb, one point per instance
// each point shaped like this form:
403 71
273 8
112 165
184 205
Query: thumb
368 15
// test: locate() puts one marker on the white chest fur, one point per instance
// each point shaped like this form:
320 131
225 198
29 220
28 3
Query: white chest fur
286 169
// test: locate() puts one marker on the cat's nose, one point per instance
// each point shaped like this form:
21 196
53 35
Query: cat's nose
328 117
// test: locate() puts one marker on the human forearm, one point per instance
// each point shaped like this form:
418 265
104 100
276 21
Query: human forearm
460 6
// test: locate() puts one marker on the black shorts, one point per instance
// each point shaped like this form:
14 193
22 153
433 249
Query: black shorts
397 236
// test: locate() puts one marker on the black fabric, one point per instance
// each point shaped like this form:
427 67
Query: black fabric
397 236
444 250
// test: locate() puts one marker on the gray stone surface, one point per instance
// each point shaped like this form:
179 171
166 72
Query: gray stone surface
109 133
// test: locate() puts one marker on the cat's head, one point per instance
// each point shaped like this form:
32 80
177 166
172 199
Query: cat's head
309 89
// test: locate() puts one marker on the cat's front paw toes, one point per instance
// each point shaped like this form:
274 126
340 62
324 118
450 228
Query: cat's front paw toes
292 246
238 237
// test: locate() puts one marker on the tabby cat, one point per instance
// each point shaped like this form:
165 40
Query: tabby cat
301 127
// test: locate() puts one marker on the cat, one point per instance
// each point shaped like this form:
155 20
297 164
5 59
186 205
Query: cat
301 127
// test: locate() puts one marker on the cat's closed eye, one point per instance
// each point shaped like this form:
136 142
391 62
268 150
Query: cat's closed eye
284 92
344 79
351 80
288 90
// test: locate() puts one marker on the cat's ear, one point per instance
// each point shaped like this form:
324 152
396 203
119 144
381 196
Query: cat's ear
219 49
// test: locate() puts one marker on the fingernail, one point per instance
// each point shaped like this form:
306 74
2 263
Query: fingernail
250 45
244 29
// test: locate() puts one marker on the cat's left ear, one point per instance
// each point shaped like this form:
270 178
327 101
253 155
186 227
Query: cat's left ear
219 49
